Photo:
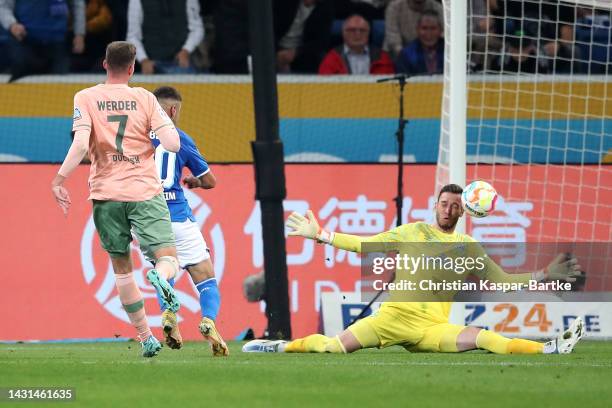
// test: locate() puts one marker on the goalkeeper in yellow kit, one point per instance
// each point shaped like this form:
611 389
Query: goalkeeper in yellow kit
424 326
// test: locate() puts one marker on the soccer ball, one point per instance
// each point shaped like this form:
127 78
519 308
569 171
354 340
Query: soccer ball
478 198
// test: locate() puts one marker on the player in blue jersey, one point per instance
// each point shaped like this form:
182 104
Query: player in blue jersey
193 253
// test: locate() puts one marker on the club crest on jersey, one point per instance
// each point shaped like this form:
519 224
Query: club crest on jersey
77 114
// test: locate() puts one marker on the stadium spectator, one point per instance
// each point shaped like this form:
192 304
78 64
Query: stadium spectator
563 56
99 23
550 21
165 34
231 46
593 35
302 30
202 57
425 55
485 41
520 55
5 62
355 56
38 31
401 19
118 10
516 15
372 10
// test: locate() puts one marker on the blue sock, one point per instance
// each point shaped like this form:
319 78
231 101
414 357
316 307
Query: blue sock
210 298
159 300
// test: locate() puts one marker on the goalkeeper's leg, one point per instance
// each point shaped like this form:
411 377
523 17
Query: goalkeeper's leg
452 338
358 336
473 337
448 338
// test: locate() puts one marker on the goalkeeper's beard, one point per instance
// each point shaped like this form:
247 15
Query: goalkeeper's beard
449 226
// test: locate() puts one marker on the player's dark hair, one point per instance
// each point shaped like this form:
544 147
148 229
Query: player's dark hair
120 55
450 188
167 92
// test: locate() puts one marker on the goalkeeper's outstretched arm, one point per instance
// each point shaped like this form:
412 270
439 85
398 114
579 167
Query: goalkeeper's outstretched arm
308 227
561 268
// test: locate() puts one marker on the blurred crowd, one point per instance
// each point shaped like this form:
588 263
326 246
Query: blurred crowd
311 36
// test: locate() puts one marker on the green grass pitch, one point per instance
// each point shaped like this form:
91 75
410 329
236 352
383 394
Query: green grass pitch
114 374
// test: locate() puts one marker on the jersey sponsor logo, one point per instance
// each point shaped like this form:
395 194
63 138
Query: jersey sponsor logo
77 114
99 276
169 195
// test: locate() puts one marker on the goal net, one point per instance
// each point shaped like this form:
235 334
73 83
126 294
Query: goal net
538 116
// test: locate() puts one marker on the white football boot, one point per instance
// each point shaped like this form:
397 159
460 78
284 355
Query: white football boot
566 341
264 346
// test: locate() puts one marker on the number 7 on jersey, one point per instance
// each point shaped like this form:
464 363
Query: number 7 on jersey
122 119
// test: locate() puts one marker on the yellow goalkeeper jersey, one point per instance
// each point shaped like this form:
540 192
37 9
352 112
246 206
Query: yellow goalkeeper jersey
420 232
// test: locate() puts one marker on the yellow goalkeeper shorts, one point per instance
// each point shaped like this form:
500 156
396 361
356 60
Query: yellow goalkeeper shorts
391 326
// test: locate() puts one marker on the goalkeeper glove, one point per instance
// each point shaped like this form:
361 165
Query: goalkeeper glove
561 268
308 227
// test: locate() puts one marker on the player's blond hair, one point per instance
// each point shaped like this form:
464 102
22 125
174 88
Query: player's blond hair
120 55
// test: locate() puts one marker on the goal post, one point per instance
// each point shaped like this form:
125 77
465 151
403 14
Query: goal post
454 98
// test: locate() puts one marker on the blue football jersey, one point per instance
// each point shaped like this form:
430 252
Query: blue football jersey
170 168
